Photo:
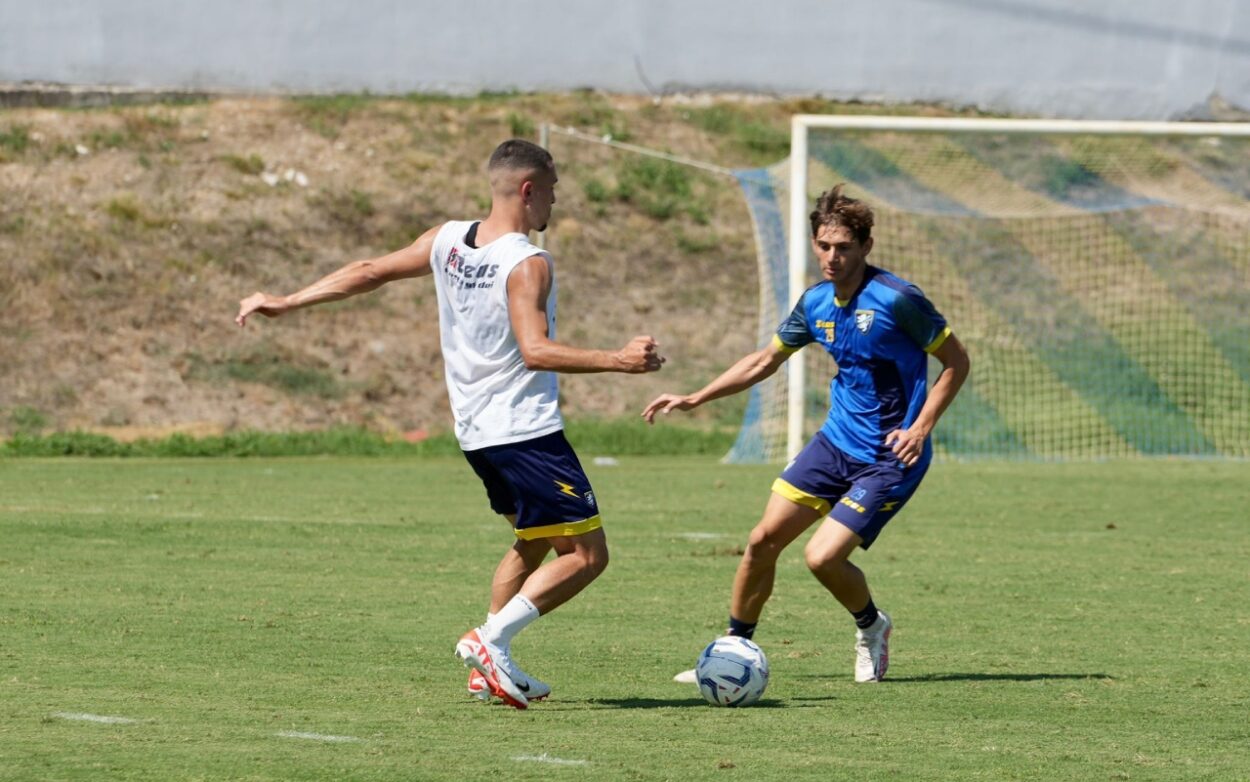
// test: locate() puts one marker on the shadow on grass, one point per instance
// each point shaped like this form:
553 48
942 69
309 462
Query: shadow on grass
998 677
682 703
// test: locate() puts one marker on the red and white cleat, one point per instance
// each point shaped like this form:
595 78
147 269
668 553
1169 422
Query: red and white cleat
478 686
534 689
494 666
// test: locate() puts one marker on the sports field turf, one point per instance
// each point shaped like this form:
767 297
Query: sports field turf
294 619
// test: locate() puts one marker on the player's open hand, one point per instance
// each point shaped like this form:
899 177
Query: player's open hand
640 355
666 403
263 303
907 444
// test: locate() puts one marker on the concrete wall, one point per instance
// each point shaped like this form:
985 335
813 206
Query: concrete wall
1140 59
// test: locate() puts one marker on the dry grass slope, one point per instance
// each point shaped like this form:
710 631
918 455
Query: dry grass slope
129 233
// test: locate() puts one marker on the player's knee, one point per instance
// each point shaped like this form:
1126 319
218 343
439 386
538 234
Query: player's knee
823 560
597 565
763 547
595 561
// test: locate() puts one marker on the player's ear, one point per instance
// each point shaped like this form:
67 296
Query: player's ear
867 245
527 190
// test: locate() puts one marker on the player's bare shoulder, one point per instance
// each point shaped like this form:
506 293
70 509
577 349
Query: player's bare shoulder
418 256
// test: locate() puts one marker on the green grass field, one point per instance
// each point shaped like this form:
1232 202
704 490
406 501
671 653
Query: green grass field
1054 621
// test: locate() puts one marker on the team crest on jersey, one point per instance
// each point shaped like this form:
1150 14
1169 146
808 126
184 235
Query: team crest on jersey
863 320
453 259
590 499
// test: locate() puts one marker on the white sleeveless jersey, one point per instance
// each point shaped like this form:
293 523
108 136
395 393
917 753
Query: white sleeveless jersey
495 399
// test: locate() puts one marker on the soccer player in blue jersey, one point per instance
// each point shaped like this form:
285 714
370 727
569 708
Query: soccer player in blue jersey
867 460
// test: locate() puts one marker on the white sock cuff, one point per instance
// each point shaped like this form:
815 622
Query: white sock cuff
510 620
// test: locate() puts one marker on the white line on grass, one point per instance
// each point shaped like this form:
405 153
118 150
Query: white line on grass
545 758
130 513
84 717
700 535
295 734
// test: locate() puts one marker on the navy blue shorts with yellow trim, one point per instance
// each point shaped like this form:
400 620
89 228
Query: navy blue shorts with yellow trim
542 482
861 496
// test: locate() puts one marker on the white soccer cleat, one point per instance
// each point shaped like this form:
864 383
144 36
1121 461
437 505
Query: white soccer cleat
478 686
872 649
534 689
687 677
494 666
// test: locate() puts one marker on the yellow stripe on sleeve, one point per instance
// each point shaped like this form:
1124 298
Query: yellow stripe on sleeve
938 340
783 347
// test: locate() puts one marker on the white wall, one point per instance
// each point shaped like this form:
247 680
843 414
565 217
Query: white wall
1143 59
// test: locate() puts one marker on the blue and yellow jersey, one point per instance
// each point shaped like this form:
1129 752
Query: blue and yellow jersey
880 339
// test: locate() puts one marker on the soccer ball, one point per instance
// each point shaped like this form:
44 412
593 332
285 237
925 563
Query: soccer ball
732 671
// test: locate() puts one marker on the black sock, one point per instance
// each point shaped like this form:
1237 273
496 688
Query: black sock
864 618
741 629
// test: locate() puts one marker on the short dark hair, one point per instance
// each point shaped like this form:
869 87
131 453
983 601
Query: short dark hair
520 155
833 208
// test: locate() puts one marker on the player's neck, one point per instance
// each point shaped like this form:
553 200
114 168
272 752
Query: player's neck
498 224
846 289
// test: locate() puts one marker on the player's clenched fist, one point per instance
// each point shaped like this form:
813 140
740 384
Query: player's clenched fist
640 355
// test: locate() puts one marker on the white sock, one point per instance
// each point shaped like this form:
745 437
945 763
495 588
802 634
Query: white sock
490 617
511 619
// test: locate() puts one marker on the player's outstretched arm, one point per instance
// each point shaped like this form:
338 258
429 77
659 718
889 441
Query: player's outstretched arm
529 284
746 372
908 443
356 277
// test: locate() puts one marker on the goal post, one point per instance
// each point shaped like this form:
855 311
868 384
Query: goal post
1091 216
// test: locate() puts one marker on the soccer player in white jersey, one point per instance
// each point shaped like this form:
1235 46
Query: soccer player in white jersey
496 310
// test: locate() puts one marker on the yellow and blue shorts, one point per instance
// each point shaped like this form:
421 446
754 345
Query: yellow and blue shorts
542 482
861 496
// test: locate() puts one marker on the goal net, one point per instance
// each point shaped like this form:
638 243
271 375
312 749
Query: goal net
1098 273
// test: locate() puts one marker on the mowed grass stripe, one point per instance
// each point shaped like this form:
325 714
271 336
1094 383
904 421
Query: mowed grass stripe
971 427
1194 235
1094 265
875 175
1041 406
1082 354
1206 258
1225 162
944 166
1015 391
1137 306
1043 165
1149 168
